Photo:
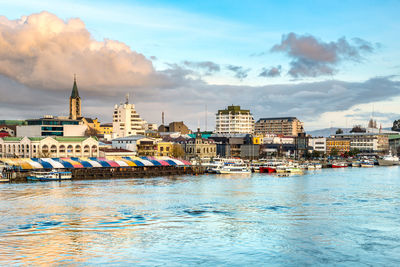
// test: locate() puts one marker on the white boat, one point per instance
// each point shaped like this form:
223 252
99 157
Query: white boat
50 175
229 167
218 163
389 160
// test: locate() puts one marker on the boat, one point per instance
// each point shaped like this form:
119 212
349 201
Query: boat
294 170
267 169
367 164
389 160
339 165
356 164
233 168
50 175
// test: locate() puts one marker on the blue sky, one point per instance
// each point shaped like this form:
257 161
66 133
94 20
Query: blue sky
241 34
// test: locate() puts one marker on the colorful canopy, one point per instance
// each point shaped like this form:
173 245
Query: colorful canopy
72 163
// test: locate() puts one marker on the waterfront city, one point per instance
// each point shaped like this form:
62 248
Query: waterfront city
183 134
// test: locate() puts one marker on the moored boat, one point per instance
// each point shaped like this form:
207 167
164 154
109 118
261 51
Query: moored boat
50 175
389 160
339 165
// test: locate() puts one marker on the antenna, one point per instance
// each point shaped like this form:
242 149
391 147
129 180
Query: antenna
162 118
127 98
206 117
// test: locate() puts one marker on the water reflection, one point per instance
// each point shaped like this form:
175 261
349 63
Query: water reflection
324 217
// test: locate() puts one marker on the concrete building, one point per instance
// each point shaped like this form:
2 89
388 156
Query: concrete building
367 142
106 129
394 143
56 147
234 120
51 126
290 126
318 144
165 149
126 121
340 145
75 111
200 147
174 127
128 142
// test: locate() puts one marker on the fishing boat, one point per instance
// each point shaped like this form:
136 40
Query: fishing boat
339 165
50 175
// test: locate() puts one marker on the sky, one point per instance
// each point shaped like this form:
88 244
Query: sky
329 63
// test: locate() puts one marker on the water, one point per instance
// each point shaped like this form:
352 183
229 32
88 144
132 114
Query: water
329 217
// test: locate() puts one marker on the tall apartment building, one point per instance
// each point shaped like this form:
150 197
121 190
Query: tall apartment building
284 125
126 121
234 120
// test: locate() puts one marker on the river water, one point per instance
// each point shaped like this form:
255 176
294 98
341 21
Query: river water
327 217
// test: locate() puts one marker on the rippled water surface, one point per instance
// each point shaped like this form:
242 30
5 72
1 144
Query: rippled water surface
329 217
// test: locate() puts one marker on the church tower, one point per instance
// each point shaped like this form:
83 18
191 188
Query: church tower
75 103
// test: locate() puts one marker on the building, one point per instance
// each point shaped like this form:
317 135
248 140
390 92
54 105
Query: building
106 130
179 127
126 121
165 149
115 152
199 147
92 124
56 147
147 147
394 144
340 145
318 144
51 126
75 111
128 142
174 127
290 126
367 142
234 120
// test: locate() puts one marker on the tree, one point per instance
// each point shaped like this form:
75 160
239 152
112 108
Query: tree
334 152
91 132
354 152
339 131
315 154
396 126
177 151
357 129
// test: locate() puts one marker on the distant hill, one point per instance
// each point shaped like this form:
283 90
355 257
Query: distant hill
327 131
331 131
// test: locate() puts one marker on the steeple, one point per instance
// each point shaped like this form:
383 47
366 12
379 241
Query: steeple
75 103
75 93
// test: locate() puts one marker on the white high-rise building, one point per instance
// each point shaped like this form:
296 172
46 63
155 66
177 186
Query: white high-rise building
126 121
234 120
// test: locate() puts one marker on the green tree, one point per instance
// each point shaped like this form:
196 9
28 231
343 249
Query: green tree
339 131
334 152
177 151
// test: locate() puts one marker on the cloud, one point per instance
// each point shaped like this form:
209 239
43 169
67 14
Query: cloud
206 67
43 51
271 72
312 57
39 54
239 71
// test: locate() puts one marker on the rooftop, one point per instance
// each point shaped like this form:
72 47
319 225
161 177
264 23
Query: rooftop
277 118
233 110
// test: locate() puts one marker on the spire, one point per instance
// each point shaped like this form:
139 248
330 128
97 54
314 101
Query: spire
75 93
